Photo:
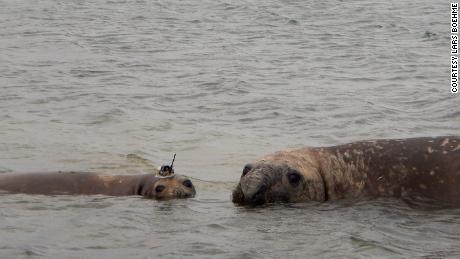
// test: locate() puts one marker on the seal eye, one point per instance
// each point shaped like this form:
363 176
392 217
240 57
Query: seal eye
187 183
247 168
294 179
160 188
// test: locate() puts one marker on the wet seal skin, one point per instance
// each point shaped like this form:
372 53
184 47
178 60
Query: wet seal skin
414 169
84 183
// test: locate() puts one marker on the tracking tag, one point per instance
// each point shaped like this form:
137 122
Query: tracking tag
167 170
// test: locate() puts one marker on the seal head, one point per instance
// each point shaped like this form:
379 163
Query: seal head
176 186
274 181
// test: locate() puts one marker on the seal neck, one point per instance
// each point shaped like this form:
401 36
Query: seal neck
339 177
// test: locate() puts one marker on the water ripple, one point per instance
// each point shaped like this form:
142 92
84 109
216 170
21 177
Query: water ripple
220 83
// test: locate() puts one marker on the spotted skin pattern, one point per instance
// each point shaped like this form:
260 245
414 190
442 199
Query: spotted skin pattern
425 169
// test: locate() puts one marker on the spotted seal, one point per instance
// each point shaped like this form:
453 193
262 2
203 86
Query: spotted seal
425 169
85 183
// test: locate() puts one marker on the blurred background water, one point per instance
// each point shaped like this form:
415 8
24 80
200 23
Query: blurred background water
221 83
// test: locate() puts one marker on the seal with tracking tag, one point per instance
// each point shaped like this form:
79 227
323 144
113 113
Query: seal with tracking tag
167 170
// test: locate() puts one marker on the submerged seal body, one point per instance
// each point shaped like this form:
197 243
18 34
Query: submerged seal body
426 169
73 183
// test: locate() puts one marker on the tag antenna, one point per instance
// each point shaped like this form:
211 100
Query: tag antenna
172 163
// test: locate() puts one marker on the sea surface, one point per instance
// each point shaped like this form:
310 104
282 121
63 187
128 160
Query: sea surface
118 87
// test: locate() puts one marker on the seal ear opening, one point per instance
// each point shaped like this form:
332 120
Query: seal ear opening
140 189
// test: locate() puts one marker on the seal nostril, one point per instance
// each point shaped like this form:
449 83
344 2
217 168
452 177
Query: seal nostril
261 190
187 183
160 188
259 196
247 168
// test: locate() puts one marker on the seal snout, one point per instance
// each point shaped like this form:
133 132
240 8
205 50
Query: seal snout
259 196
189 190
254 185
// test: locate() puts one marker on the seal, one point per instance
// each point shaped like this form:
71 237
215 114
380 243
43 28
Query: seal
85 183
415 169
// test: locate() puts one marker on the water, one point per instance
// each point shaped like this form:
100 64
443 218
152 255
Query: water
220 83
